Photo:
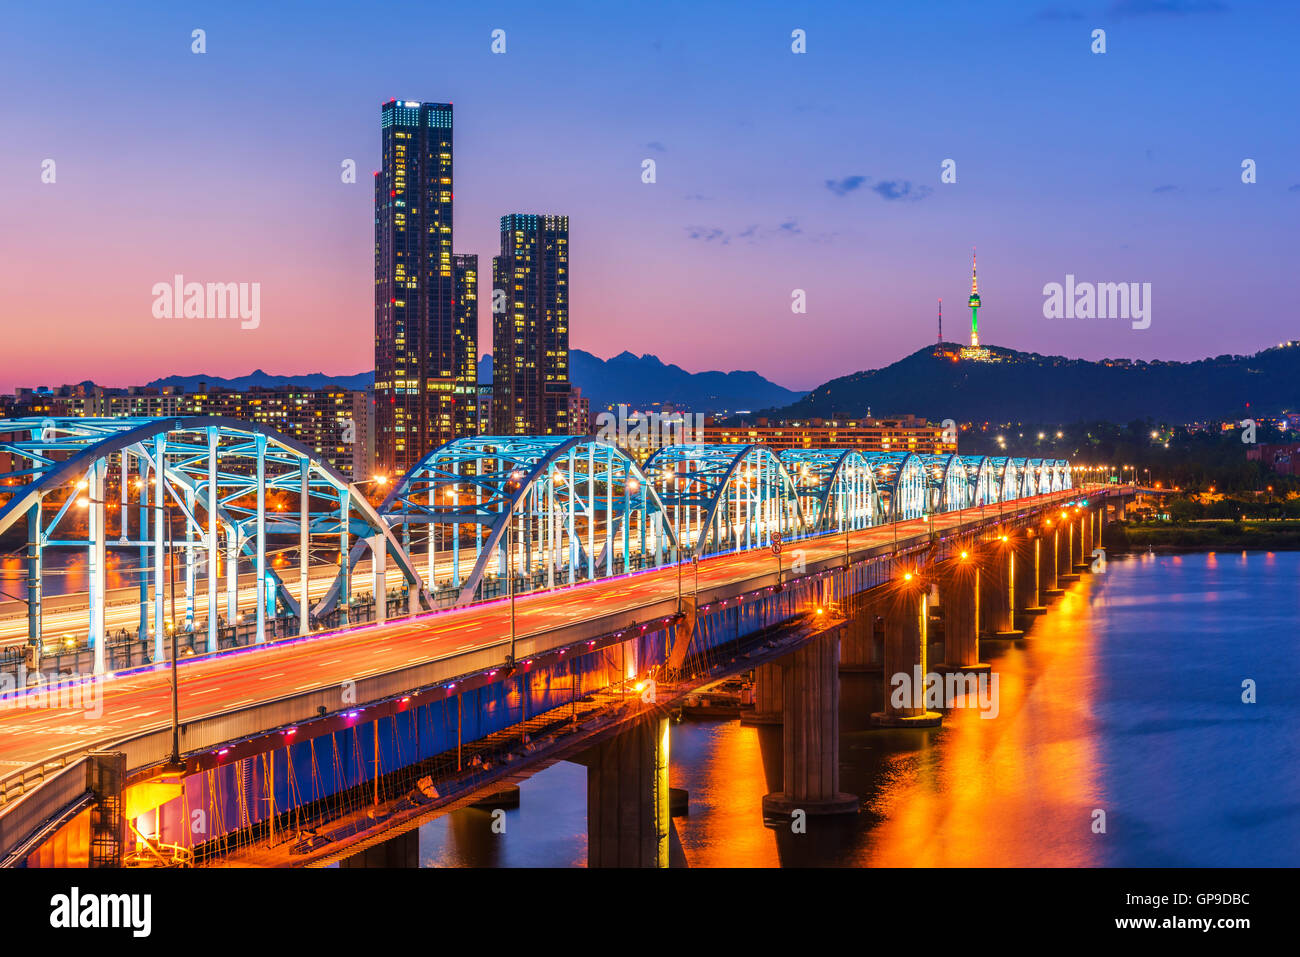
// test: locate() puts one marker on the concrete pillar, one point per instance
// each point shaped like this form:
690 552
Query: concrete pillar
997 586
811 734
768 701
905 665
959 588
400 851
1049 570
628 822
1028 578
1085 536
862 636
1064 550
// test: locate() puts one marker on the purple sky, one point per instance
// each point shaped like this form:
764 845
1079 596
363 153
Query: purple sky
775 171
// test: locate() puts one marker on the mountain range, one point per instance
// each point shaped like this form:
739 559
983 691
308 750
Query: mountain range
639 381
1028 387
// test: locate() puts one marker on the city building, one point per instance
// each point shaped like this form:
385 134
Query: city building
906 433
1283 458
420 340
333 422
465 283
579 412
530 327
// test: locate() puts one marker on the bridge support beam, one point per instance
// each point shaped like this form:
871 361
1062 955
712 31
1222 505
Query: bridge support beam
863 637
959 591
768 698
905 657
628 823
810 689
997 591
1028 578
1050 550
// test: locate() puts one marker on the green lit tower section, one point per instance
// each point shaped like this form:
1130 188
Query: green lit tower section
974 303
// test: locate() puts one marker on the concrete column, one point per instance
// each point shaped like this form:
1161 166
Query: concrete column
1049 570
400 851
862 636
768 699
905 665
1085 534
959 588
628 822
1028 578
997 586
811 739
1068 534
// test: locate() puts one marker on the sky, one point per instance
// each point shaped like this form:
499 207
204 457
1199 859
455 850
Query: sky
775 171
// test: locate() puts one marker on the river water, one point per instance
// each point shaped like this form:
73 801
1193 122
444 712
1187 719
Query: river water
1125 699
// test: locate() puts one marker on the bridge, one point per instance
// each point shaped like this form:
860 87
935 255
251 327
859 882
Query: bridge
510 577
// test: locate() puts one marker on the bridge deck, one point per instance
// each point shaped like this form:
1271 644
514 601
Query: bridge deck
133 703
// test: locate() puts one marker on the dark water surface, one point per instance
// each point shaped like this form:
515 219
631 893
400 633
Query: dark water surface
1127 698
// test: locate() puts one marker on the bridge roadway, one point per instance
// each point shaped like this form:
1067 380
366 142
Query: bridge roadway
136 702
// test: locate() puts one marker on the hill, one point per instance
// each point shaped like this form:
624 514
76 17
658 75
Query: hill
1028 387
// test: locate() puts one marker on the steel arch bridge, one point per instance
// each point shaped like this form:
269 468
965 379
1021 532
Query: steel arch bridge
472 516
231 484
550 510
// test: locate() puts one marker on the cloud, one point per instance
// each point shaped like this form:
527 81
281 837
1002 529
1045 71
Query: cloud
1168 188
1294 189
892 189
790 228
842 187
708 234
656 146
1165 8
700 197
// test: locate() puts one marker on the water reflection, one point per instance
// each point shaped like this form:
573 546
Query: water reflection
1127 699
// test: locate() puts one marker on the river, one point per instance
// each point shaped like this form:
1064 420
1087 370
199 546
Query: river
1126 699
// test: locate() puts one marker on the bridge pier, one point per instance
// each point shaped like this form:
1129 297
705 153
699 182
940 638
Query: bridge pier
997 591
1051 550
1028 577
767 696
811 734
400 851
863 635
906 638
628 822
959 588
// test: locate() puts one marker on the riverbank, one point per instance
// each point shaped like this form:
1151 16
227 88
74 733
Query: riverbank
1202 536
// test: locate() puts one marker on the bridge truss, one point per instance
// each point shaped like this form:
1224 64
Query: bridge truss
230 507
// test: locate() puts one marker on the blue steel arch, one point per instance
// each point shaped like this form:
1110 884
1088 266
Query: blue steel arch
948 482
699 481
54 453
482 481
901 478
985 484
837 488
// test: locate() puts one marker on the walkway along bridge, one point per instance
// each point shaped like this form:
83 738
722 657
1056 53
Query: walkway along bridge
610 572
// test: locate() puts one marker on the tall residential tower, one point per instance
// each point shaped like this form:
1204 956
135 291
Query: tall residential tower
420 345
530 327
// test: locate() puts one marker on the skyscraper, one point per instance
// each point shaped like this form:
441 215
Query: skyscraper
419 361
465 282
530 327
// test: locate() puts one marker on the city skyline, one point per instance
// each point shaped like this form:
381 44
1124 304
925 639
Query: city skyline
839 197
